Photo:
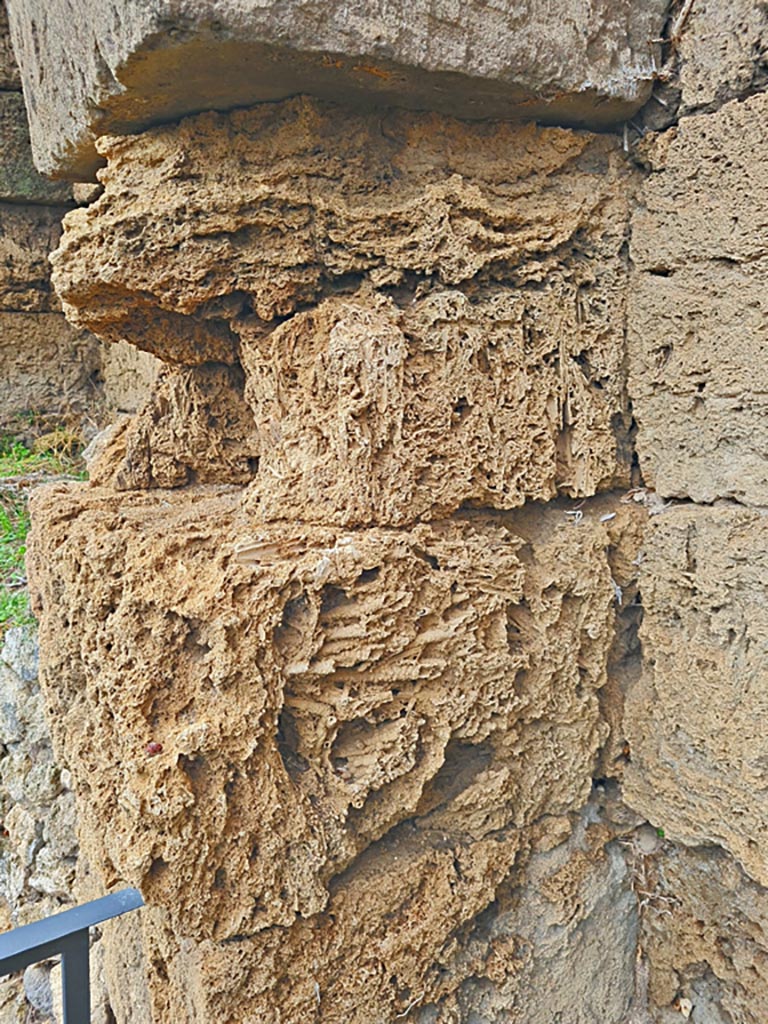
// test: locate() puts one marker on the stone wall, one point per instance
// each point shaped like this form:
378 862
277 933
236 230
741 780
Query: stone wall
50 371
411 639
38 845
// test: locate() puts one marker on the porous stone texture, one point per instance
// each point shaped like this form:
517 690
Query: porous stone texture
28 234
124 66
340 641
475 354
722 53
709 946
373 412
563 941
697 308
129 375
695 717
341 743
194 428
48 369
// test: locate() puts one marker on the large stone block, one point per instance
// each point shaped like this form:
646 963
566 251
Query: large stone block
698 314
20 182
47 368
695 719
28 234
559 935
369 412
428 311
91 69
278 717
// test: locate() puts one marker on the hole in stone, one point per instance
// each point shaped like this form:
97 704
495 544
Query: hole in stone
461 410
368 576
288 744
463 762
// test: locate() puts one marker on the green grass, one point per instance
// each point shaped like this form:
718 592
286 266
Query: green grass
54 459
14 526
56 455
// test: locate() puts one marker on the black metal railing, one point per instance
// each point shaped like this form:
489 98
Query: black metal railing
66 934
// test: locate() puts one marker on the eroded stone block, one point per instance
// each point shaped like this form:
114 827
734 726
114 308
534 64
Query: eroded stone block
453 335
370 411
129 375
47 367
723 53
709 945
697 308
694 719
559 933
194 427
280 710
90 69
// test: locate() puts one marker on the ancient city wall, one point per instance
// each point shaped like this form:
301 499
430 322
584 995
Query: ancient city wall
406 648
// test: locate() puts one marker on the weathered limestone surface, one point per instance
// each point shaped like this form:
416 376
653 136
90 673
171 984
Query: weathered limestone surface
563 941
710 946
357 730
47 367
342 712
129 375
19 179
723 53
473 354
697 310
28 234
695 719
10 79
123 66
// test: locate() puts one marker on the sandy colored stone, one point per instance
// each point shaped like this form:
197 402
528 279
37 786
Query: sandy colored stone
260 212
560 933
20 182
500 299
94 68
723 53
28 234
129 374
695 718
339 714
47 367
373 412
9 71
711 948
194 428
697 308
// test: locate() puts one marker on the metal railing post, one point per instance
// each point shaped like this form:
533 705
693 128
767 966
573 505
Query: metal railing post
68 934
75 978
